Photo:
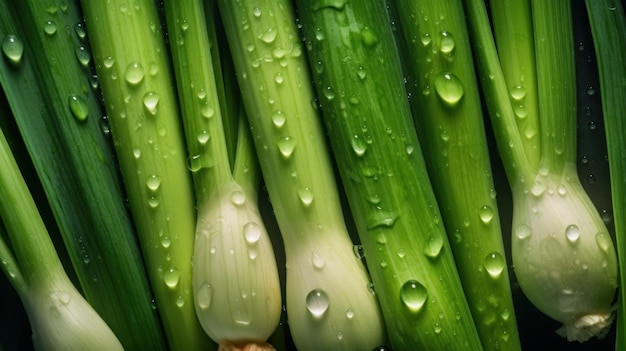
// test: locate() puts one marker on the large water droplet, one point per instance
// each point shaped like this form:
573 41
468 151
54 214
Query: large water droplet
413 295
78 107
449 88
171 277
317 303
572 233
204 295
13 48
494 264
134 73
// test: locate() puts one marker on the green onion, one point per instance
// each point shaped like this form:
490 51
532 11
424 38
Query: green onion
329 305
359 80
563 255
608 26
45 74
139 96
60 318
448 115
235 278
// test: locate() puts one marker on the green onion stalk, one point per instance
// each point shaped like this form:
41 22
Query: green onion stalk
563 256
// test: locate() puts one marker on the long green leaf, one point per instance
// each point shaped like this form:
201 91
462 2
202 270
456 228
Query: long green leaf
59 115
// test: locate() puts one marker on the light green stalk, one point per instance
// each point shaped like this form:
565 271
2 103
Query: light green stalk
60 318
235 278
608 27
56 107
563 256
328 303
448 115
139 96
513 34
359 80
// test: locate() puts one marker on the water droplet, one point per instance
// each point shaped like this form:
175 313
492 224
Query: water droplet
572 233
82 55
522 231
256 12
150 101
361 73
134 73
286 146
358 145
306 196
252 232
449 88
368 37
279 78
414 295
137 153
317 303
166 242
349 313
518 93
154 182
194 163
180 301
207 111
318 261
603 241
80 30
538 188
50 27
278 118
78 107
171 277
358 251
486 214
268 36
520 111
153 202
434 244
203 137
238 198
447 43
426 39
494 264
13 48
591 91
329 93
409 149
108 62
